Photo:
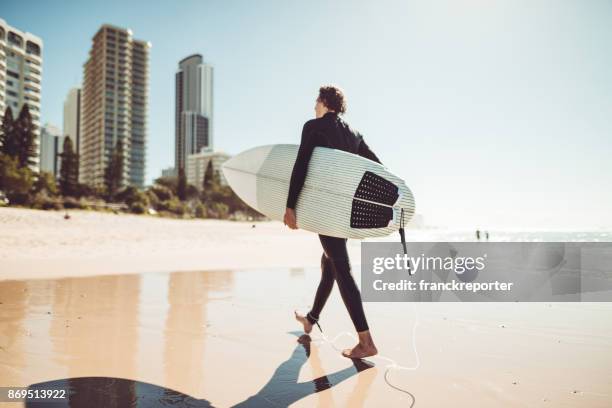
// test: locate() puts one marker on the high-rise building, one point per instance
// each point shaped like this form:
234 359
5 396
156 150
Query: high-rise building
198 163
169 172
114 105
72 117
194 108
51 146
21 74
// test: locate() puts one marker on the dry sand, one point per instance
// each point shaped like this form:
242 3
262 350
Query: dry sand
227 337
43 244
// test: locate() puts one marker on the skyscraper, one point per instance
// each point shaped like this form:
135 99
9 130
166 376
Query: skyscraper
51 145
114 103
21 74
194 108
72 117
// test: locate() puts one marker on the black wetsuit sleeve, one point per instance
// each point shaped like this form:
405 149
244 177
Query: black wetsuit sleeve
364 151
300 167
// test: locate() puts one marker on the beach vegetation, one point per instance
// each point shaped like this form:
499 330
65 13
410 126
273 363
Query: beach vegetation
69 170
113 174
168 196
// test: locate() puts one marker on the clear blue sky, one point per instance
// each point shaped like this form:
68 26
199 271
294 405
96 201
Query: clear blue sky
496 113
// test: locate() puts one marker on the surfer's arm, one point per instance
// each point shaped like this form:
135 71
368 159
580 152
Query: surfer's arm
364 151
300 167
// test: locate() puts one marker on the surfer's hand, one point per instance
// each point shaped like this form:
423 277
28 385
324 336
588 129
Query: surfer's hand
289 218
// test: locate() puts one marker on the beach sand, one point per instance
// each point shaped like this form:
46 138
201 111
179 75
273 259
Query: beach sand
226 337
42 244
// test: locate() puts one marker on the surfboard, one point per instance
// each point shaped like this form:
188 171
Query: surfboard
344 195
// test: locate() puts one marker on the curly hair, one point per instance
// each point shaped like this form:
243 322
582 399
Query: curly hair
333 98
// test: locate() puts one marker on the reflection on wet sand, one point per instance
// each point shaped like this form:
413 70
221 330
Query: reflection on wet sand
281 390
111 339
185 326
13 333
220 339
94 325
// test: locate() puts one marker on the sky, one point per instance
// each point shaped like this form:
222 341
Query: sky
497 114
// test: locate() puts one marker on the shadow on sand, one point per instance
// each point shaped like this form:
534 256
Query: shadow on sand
280 391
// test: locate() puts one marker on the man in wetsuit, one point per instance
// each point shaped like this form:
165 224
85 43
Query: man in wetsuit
330 130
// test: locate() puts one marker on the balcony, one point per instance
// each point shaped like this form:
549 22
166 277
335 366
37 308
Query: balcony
33 60
28 90
33 97
34 75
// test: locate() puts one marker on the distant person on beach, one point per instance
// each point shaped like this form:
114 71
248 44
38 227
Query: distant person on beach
487 235
478 235
330 130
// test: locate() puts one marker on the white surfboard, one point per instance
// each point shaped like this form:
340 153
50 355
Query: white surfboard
344 195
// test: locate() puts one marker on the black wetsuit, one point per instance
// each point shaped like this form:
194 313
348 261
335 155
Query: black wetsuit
331 131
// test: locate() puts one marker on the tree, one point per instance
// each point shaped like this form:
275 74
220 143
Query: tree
25 138
181 190
69 170
113 175
45 184
192 192
162 193
14 181
170 182
209 177
8 139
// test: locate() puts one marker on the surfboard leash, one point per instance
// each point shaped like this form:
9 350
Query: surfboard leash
316 322
393 365
402 232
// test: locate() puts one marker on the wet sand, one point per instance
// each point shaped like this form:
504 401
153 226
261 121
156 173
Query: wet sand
226 338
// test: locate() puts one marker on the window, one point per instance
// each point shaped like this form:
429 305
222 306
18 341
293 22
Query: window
15 39
11 93
13 74
32 48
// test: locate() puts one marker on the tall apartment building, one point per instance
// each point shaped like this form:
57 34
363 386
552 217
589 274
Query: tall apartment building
21 74
114 104
72 117
51 146
194 108
197 164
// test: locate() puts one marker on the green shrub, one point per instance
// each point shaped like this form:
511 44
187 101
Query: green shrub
15 181
73 203
200 211
127 195
174 205
43 202
45 184
218 210
153 199
138 208
161 192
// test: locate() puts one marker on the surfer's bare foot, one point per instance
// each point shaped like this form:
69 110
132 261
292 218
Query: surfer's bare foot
365 347
302 319
360 351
